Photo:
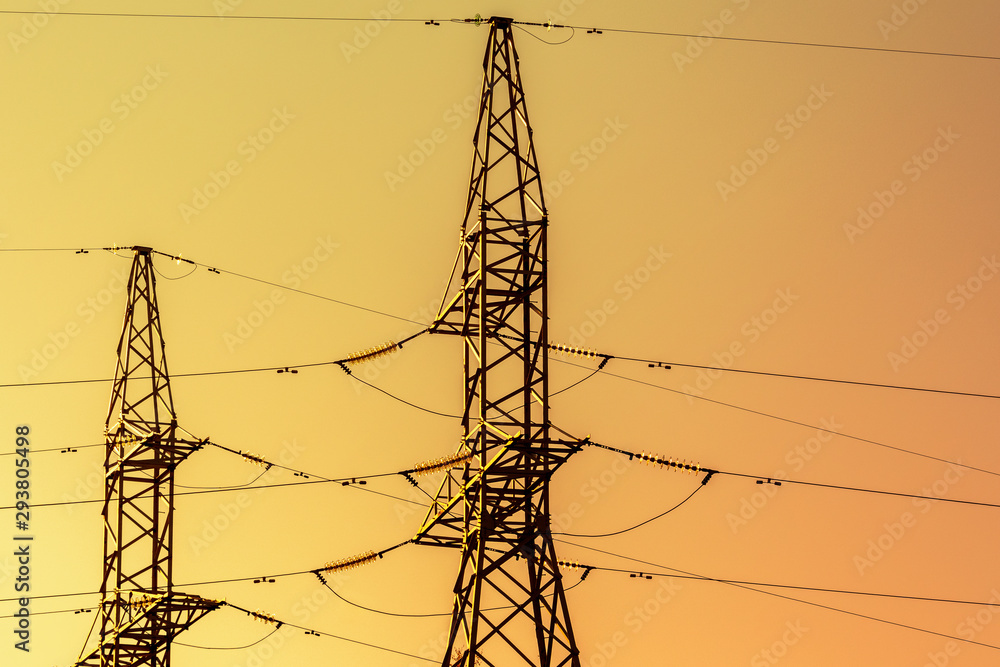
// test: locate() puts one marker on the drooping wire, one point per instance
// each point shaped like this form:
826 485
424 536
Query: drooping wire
545 41
331 635
225 648
650 520
437 615
397 398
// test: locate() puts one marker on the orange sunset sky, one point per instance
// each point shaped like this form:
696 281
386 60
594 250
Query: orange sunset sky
774 207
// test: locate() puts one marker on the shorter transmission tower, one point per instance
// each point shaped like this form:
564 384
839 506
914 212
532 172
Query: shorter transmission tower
140 611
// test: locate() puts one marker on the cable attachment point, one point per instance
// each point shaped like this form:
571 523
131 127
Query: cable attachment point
409 478
674 464
574 351
264 617
372 353
442 464
256 460
351 563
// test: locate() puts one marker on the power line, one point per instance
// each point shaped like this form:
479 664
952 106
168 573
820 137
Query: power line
232 16
762 479
658 33
291 368
290 289
355 481
477 21
749 586
792 421
667 364
328 634
69 449
347 481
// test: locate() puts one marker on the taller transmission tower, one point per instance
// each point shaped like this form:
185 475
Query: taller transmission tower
140 612
510 605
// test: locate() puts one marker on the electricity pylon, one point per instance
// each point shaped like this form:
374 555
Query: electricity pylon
510 605
140 612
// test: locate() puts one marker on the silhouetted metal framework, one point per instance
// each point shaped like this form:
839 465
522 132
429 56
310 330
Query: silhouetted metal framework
140 612
496 508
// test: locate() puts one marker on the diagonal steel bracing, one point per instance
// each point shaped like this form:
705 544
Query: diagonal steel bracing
510 606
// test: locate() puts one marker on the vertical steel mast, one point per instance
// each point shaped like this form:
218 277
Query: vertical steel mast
140 612
510 606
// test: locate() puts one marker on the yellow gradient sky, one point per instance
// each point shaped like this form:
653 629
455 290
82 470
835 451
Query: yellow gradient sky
791 209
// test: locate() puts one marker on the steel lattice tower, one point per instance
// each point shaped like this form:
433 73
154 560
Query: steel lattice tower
140 612
496 508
